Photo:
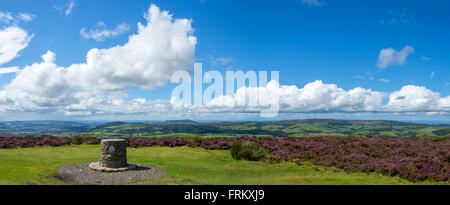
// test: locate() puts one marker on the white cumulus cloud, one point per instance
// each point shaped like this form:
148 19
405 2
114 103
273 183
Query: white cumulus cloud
319 97
389 56
26 17
161 46
6 18
14 69
313 97
413 98
147 60
100 32
12 40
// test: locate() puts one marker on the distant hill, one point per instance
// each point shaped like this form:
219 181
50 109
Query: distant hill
40 127
110 124
180 122
383 122
182 128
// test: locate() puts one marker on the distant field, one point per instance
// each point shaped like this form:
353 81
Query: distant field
184 166
185 128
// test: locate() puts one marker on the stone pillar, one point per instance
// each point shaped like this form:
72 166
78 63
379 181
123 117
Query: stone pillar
113 153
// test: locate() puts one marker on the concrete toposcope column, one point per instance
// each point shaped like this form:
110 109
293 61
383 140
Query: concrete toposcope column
113 157
113 153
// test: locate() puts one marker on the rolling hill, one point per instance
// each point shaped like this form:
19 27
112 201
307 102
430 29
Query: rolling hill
184 128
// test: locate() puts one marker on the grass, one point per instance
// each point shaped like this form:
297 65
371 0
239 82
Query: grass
184 166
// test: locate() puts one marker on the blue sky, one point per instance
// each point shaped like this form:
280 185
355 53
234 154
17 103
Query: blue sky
336 42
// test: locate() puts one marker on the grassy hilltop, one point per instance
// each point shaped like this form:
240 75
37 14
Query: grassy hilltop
184 166
37 163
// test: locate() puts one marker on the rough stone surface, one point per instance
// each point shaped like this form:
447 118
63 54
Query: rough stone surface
113 153
96 166
81 173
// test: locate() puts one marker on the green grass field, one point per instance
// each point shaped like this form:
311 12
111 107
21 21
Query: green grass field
184 166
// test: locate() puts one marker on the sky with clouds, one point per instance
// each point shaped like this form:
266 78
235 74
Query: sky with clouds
113 60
